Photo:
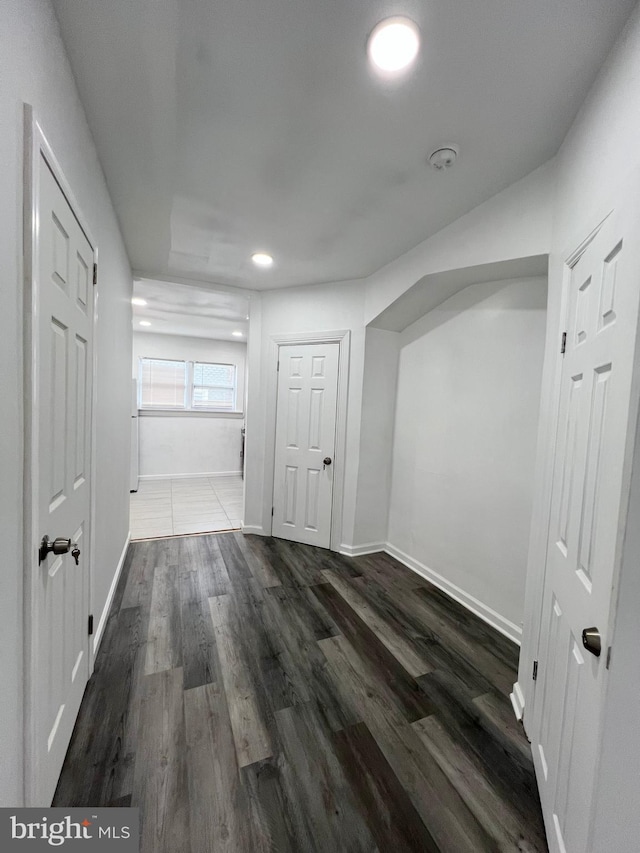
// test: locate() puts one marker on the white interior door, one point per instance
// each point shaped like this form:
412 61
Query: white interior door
305 440
63 325
589 499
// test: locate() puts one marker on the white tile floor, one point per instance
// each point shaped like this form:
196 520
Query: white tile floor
195 505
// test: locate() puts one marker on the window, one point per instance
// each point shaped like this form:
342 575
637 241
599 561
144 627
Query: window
162 383
187 385
214 386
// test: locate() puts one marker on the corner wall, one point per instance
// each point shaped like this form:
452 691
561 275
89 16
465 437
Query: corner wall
34 69
466 419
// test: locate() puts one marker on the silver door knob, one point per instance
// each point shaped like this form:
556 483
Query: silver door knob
591 641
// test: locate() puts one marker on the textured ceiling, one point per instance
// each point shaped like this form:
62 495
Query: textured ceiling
230 127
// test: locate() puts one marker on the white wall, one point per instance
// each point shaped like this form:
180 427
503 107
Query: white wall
515 223
34 69
190 442
464 443
376 438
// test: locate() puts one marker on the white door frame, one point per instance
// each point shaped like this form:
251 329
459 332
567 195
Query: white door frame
35 146
342 338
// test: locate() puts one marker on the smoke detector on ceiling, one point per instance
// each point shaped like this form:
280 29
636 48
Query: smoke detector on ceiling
443 158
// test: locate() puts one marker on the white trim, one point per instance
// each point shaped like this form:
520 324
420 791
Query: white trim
188 413
361 550
342 337
112 591
189 476
492 617
517 701
254 529
36 145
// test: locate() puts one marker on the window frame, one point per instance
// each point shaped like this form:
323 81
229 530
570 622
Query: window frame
189 387
192 386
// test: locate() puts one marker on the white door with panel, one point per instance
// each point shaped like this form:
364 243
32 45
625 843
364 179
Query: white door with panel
590 490
63 327
305 442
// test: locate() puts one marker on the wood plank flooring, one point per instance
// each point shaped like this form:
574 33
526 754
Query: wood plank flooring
256 695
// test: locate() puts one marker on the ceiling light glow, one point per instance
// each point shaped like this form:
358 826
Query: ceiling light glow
145 323
237 334
138 300
262 259
394 44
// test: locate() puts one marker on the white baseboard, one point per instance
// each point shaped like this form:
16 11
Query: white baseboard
97 637
255 529
361 550
500 623
517 700
189 476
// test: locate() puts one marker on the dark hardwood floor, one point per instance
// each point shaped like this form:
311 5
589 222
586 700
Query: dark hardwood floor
258 695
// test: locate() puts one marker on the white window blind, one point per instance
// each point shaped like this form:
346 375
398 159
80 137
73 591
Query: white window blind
214 386
162 383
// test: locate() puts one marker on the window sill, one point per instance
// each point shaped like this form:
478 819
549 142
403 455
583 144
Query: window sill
187 413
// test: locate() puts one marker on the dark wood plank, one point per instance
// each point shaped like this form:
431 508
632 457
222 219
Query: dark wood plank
395 641
198 641
492 750
250 730
326 816
219 809
407 693
257 560
164 642
442 809
391 816
502 821
160 787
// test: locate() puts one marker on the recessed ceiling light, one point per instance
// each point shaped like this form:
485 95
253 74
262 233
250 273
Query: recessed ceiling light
137 300
237 334
262 259
394 44
145 323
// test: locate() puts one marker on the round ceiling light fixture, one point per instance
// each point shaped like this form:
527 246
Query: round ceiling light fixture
393 44
444 157
138 300
145 323
262 259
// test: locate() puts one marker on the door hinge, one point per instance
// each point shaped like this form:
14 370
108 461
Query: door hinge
95 274
535 670
271 512
563 345
278 368
90 626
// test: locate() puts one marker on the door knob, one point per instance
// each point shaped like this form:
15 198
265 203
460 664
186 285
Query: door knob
58 546
591 641
326 461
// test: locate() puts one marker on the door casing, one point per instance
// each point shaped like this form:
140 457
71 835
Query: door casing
343 339
35 146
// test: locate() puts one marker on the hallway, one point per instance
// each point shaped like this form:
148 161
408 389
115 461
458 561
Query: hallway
253 694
